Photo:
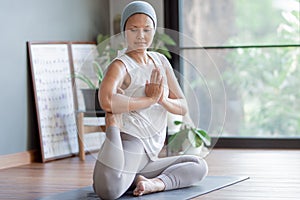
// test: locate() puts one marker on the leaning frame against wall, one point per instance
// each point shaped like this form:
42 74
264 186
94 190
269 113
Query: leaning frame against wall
51 74
52 67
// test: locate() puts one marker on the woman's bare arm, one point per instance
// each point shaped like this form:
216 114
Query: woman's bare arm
112 101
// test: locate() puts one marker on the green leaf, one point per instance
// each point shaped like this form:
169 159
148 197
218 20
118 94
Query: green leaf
99 72
86 80
194 139
101 38
171 138
166 39
178 122
165 52
175 141
203 135
198 141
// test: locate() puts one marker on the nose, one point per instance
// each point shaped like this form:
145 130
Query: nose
140 34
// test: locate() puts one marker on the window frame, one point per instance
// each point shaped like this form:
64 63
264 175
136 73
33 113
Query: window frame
171 21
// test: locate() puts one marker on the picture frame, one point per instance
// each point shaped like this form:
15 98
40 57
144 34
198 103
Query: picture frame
52 66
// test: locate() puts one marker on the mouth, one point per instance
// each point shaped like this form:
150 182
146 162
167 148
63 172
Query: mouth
140 43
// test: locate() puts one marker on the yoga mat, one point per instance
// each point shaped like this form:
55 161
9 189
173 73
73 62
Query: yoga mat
209 184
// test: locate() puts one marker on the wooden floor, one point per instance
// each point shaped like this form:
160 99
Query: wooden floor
274 174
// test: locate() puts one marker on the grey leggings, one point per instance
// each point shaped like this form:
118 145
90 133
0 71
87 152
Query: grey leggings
122 157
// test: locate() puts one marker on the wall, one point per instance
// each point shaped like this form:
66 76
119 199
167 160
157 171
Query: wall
36 20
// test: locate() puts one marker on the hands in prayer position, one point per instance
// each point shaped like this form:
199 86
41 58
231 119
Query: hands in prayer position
155 88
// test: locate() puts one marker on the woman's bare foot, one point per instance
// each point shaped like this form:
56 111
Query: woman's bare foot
146 186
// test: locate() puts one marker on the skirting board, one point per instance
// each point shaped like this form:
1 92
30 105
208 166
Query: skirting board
18 159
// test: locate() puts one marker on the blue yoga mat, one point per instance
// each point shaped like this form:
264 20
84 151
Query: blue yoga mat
209 184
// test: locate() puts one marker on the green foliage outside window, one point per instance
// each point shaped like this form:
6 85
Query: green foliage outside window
268 79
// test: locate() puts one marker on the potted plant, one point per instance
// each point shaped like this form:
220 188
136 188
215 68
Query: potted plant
188 140
90 94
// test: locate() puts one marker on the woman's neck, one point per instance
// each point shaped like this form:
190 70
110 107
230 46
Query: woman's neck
140 57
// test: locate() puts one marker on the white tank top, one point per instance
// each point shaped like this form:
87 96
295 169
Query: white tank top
149 124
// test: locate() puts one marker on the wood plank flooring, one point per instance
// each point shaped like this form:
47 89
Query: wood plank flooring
274 174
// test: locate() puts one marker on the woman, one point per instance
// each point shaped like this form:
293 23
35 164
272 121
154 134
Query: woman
138 90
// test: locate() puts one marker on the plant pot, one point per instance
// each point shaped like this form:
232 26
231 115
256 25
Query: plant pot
91 101
172 128
188 148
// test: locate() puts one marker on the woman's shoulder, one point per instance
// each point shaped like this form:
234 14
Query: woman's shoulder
156 54
116 64
158 57
162 59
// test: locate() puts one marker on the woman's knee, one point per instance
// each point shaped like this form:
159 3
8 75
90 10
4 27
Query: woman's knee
201 166
192 158
200 163
107 184
108 192
204 167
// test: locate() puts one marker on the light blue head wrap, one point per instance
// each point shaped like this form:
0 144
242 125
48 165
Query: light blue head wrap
137 7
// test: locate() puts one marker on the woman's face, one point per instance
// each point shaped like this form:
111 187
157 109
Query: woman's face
139 32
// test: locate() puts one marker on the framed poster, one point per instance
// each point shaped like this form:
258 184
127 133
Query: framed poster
83 55
54 98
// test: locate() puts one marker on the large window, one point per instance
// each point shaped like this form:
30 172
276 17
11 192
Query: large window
240 61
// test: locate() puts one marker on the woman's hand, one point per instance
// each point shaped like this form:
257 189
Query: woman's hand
154 89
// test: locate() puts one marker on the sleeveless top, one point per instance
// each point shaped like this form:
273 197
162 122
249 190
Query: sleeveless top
148 124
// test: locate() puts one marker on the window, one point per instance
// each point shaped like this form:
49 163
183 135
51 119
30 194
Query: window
240 66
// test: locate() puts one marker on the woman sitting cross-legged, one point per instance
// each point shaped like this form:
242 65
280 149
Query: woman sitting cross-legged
138 89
